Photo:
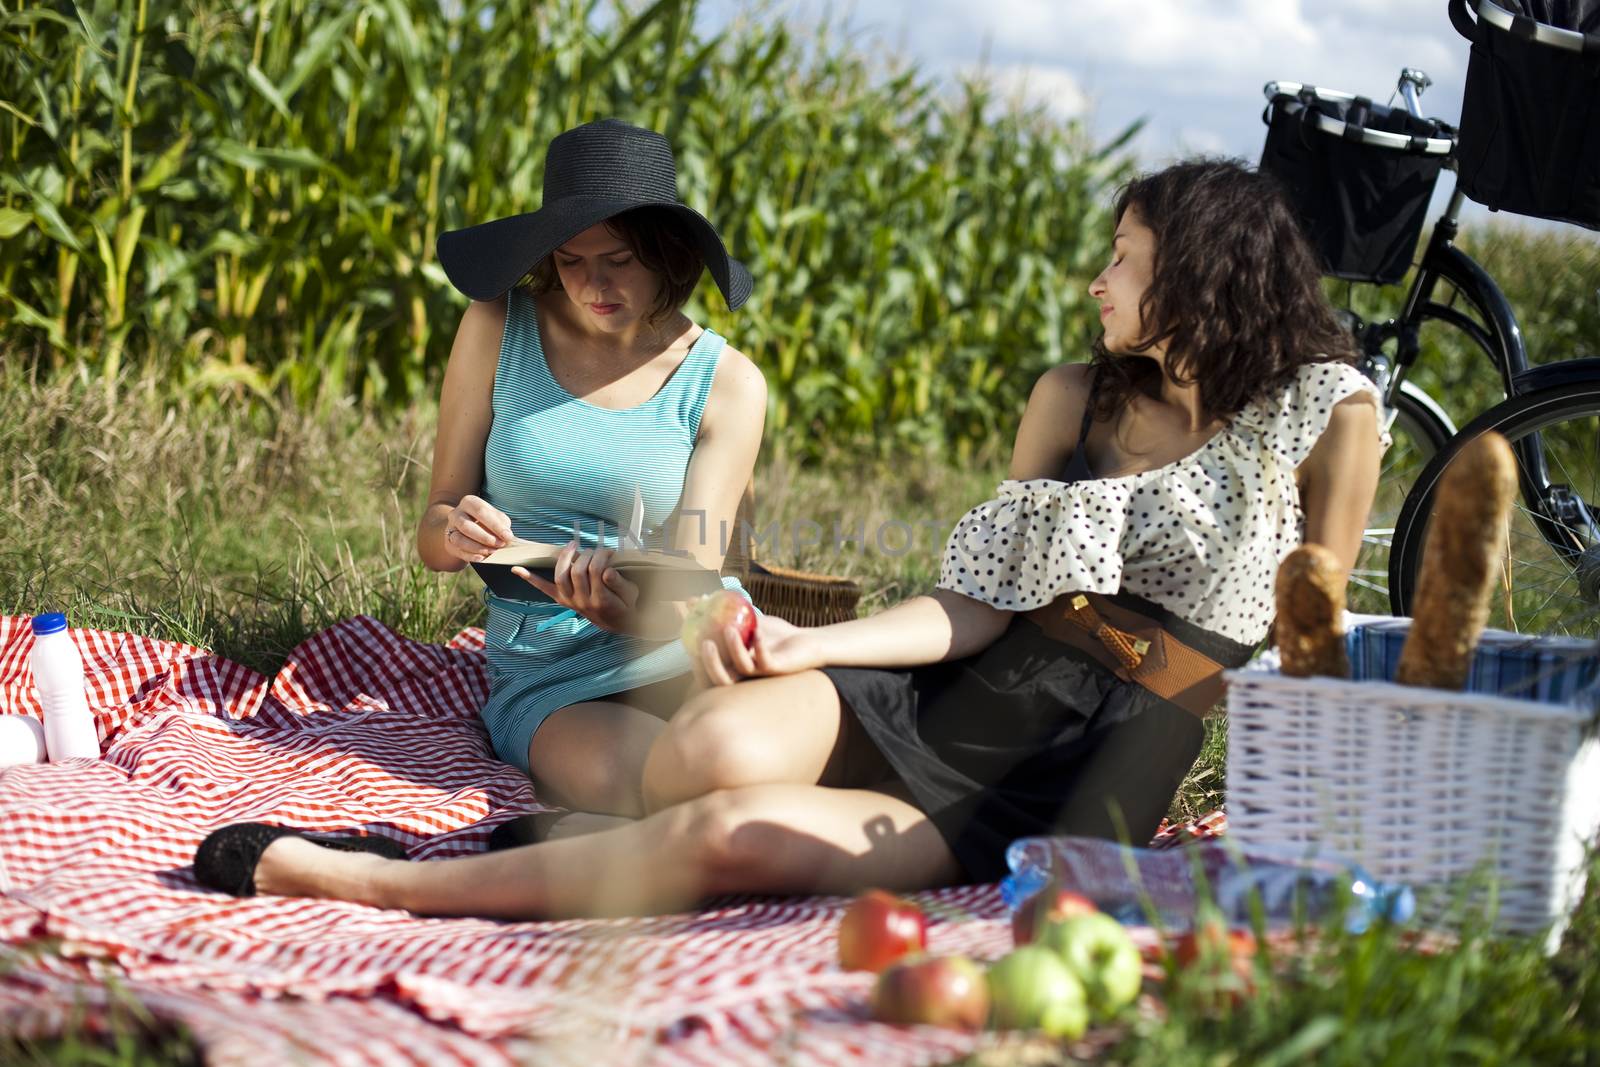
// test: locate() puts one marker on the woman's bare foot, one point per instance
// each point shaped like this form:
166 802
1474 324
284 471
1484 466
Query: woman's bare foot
295 867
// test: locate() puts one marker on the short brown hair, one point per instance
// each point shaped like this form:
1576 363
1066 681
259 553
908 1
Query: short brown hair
662 244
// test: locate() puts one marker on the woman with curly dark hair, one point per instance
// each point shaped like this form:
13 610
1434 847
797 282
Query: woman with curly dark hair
1055 680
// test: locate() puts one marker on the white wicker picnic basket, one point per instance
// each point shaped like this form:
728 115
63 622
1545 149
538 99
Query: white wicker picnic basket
1423 786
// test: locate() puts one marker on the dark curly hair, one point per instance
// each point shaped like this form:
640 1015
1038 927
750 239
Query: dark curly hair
1235 292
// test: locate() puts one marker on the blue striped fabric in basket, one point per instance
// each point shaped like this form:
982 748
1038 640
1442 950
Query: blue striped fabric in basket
1545 670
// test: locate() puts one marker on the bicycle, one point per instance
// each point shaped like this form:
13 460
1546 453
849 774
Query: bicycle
1550 412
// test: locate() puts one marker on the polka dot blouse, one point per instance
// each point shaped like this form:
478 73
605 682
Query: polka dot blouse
1201 536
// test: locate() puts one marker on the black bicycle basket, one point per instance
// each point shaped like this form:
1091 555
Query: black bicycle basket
1530 118
1359 174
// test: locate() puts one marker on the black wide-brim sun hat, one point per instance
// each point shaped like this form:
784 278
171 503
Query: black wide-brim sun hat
591 173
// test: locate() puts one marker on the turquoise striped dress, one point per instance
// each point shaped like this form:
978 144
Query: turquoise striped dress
554 462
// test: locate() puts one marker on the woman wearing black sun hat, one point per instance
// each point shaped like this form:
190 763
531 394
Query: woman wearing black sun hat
575 379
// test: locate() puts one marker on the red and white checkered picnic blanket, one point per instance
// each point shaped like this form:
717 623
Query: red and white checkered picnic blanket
364 728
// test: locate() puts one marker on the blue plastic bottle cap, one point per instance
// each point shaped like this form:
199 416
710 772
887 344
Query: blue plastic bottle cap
53 623
1402 904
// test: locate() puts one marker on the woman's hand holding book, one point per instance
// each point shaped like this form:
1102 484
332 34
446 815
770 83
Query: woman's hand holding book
585 581
474 528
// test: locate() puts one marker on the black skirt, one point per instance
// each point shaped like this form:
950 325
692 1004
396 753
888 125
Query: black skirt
1030 736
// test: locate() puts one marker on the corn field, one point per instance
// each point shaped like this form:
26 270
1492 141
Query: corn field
246 198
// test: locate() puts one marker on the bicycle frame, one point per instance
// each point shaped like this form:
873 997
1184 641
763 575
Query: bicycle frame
1500 336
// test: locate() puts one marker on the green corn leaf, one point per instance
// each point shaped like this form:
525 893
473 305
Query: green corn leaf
244 156
13 222
324 39
635 31
29 315
164 166
269 92
52 222
128 228
9 107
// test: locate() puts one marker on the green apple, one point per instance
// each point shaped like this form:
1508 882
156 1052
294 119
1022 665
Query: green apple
1032 989
1102 956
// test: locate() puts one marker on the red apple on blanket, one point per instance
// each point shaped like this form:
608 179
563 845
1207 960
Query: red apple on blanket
1102 956
1215 962
1212 938
1053 903
935 990
712 612
1031 989
879 928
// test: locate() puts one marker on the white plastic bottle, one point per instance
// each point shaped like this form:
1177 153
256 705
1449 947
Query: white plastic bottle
58 673
21 740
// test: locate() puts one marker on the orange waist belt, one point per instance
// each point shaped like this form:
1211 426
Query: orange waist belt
1135 648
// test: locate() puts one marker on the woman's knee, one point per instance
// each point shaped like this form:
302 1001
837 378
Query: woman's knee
738 841
707 746
591 756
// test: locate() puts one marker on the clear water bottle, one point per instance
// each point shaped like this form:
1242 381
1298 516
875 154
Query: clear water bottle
69 730
1123 881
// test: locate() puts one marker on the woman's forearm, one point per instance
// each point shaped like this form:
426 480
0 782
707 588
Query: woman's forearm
925 629
431 547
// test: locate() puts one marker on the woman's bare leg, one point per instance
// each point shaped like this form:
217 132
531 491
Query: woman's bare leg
590 756
762 731
761 839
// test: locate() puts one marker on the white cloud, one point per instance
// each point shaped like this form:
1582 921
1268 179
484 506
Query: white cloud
1052 88
1194 68
1195 141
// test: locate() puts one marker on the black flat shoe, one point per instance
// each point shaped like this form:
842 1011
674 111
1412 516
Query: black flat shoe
226 860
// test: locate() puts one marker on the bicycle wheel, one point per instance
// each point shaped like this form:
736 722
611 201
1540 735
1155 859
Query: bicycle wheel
1551 583
1420 431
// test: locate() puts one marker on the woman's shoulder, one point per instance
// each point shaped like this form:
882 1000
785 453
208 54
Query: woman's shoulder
1064 386
738 377
738 390
1290 418
1048 433
480 334
1316 384
486 316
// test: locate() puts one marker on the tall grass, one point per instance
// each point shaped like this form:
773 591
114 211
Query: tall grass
246 196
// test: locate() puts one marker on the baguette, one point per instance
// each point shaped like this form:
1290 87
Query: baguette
1310 623
1460 561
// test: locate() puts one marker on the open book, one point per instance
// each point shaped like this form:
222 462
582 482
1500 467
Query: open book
659 575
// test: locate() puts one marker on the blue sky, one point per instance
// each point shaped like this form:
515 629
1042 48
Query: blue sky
1193 68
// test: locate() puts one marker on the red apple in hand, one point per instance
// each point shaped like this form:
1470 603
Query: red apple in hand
1051 904
936 990
879 928
712 612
